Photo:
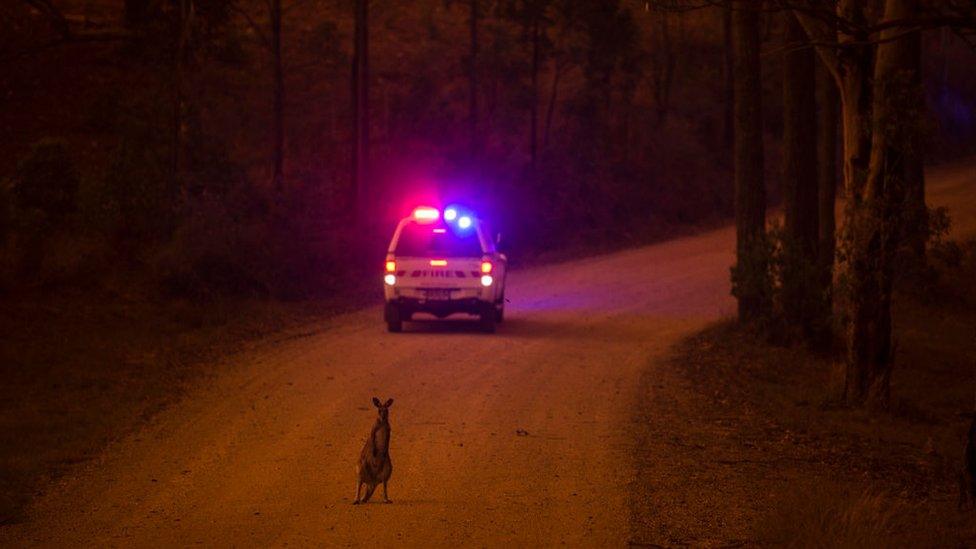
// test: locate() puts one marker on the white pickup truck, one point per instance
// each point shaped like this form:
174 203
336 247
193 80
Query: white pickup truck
443 263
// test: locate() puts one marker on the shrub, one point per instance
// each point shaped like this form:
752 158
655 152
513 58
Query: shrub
140 193
942 250
800 307
45 185
216 253
752 277
212 254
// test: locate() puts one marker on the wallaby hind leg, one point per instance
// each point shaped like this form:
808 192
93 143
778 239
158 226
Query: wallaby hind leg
369 492
359 488
386 499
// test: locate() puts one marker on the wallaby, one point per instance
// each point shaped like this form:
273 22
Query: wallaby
375 466
967 477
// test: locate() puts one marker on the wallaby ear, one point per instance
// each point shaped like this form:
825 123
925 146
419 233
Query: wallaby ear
389 403
376 402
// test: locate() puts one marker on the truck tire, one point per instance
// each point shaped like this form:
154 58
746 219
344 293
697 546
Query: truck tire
392 315
487 318
500 309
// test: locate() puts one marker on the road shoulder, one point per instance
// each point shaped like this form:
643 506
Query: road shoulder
746 443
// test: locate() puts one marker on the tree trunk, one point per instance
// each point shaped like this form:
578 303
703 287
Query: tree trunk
800 278
360 109
749 273
179 62
728 119
553 95
944 36
473 82
663 63
916 214
533 138
880 124
827 175
874 221
799 142
853 74
278 153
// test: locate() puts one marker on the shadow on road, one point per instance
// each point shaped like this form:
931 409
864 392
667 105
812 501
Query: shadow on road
613 329
446 326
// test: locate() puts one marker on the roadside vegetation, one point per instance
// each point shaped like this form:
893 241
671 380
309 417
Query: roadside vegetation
753 420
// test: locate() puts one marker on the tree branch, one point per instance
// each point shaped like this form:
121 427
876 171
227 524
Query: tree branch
55 16
797 46
820 32
263 38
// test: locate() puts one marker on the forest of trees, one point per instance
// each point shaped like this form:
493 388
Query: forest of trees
248 147
802 276
264 147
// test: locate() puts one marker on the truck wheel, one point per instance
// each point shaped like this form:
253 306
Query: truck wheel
499 313
488 318
392 315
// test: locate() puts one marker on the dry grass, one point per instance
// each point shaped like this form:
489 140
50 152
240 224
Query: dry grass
764 452
832 518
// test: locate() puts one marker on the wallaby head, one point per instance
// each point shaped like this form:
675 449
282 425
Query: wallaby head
383 408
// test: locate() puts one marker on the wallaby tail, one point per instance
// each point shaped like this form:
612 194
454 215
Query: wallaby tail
369 492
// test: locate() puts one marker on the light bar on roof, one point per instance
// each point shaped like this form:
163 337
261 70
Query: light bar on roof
426 214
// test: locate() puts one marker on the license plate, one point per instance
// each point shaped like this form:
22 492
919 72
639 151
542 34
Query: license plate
439 295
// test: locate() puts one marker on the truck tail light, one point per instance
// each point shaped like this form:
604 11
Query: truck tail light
390 266
486 267
438 263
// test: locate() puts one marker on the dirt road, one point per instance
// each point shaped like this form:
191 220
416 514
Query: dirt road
524 436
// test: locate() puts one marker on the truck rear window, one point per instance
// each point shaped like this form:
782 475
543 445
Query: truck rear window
437 241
